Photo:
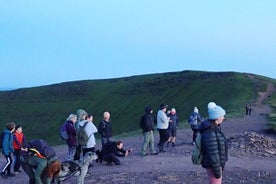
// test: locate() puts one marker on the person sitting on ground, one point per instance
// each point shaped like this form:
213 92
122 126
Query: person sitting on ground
39 161
112 150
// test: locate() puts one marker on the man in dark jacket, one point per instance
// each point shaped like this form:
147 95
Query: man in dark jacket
112 150
105 129
213 144
147 125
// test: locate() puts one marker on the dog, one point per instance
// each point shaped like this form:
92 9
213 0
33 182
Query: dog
71 168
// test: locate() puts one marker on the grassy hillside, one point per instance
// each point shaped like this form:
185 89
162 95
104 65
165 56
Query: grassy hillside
41 110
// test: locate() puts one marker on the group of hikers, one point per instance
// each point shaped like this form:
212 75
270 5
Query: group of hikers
40 163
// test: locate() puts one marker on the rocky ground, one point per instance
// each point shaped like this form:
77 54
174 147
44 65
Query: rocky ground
252 157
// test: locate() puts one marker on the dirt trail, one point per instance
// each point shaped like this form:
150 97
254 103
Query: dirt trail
175 165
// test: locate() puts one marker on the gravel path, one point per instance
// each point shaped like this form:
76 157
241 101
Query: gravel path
175 166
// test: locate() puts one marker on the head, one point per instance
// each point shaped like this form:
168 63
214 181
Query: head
148 109
11 126
18 128
89 117
53 168
216 112
163 107
81 114
173 111
119 144
196 109
72 117
106 116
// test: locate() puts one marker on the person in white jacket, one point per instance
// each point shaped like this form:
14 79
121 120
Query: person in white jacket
90 129
162 126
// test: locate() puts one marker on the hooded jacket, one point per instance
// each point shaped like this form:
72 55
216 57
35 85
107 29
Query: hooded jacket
147 120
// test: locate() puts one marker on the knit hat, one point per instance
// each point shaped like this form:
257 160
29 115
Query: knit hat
196 109
215 111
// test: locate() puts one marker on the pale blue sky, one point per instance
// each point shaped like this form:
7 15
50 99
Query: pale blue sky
47 42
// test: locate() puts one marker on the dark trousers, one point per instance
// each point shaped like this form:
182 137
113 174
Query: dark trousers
77 153
195 131
110 157
163 137
7 166
16 160
29 171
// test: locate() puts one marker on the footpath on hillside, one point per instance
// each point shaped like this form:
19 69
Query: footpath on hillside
250 161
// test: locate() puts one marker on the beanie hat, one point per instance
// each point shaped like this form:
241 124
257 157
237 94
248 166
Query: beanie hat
196 109
215 111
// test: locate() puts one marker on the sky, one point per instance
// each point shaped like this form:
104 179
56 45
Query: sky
49 42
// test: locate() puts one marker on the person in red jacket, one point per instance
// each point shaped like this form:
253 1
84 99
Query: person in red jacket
18 140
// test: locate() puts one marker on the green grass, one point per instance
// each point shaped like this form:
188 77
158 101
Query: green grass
42 110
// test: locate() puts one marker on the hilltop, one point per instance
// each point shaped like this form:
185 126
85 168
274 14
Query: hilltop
252 156
41 110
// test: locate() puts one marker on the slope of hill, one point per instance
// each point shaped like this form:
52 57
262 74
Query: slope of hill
41 110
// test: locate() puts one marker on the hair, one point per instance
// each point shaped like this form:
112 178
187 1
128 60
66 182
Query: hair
53 168
18 126
118 143
71 116
10 125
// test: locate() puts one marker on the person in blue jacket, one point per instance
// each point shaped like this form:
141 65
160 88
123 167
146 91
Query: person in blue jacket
7 150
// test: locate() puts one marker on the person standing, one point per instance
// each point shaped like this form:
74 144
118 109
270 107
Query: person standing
173 123
18 140
194 121
7 150
213 144
71 131
81 115
90 130
105 129
147 125
162 126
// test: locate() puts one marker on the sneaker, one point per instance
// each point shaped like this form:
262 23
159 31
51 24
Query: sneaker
4 175
88 174
16 172
155 153
10 175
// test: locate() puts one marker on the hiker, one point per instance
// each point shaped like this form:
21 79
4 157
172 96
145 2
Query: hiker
194 121
173 123
247 109
213 144
147 125
112 150
90 129
71 131
7 150
39 161
105 129
162 126
81 114
18 140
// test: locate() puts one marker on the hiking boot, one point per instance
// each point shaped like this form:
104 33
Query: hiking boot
155 153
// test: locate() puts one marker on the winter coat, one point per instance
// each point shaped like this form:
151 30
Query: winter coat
105 129
111 148
214 147
147 121
71 131
7 147
18 140
162 120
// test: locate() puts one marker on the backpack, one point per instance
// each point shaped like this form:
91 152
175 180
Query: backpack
2 138
82 137
62 131
197 154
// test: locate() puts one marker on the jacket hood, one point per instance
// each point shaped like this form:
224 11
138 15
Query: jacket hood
148 109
